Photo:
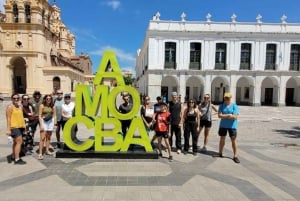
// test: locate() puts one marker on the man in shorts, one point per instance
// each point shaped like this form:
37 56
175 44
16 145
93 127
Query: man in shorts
228 113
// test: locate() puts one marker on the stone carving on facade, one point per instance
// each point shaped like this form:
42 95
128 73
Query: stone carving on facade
183 16
156 16
233 18
258 19
283 19
208 17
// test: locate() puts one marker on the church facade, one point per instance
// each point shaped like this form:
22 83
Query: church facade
37 51
258 62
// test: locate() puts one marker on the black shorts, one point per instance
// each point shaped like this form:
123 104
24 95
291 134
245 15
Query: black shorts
205 123
16 132
163 134
223 132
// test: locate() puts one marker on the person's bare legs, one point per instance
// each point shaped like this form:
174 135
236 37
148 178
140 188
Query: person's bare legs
206 134
41 143
17 147
48 138
221 145
234 146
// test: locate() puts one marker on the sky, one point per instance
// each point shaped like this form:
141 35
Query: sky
121 25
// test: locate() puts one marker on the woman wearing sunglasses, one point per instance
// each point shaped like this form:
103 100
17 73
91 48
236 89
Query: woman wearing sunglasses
206 108
47 118
15 128
191 117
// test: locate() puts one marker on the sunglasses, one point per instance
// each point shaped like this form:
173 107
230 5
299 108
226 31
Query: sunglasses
25 99
16 98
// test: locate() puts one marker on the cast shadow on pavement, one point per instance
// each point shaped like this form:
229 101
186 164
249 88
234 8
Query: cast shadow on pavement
290 133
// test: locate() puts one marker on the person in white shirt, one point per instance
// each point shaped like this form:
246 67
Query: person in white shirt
67 109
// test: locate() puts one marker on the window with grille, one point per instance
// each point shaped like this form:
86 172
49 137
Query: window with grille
295 58
170 55
270 57
195 56
245 56
220 62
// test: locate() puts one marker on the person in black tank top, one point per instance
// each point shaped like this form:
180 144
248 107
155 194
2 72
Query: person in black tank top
191 126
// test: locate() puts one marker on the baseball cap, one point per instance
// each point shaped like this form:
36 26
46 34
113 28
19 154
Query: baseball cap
227 95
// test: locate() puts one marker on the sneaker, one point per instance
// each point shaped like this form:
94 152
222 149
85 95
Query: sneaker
160 155
20 162
236 160
10 159
178 151
184 152
170 158
203 150
220 155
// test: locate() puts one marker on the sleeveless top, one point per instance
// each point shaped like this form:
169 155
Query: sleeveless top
58 104
17 119
175 109
206 111
47 110
191 117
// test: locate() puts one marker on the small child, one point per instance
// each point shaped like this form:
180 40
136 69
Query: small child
162 119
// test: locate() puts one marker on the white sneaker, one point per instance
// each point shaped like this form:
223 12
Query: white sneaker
178 151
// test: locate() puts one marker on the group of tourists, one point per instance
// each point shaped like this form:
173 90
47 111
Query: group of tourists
167 120
170 119
50 112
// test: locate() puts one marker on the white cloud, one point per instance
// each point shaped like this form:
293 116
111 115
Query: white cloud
114 4
123 56
2 2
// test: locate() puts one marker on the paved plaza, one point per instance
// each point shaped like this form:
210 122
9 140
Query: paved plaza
269 151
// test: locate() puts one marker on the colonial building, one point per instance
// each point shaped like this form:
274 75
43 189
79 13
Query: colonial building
37 51
258 62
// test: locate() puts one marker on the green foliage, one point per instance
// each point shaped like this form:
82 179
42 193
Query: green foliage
128 80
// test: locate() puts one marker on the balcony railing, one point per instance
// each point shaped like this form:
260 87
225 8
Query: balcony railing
195 66
170 65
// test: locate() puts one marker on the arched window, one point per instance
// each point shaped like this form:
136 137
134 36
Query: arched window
27 13
56 84
16 13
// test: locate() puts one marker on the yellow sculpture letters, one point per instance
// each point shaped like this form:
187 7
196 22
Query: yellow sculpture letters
87 107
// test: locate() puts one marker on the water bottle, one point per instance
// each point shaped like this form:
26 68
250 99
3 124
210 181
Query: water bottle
9 140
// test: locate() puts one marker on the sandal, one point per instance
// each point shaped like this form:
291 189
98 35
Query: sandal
49 153
41 157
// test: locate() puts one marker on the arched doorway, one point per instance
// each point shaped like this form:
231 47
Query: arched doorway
292 92
244 91
19 75
168 84
219 86
269 91
56 84
194 88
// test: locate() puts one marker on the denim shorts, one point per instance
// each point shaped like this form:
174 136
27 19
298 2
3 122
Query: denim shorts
16 132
